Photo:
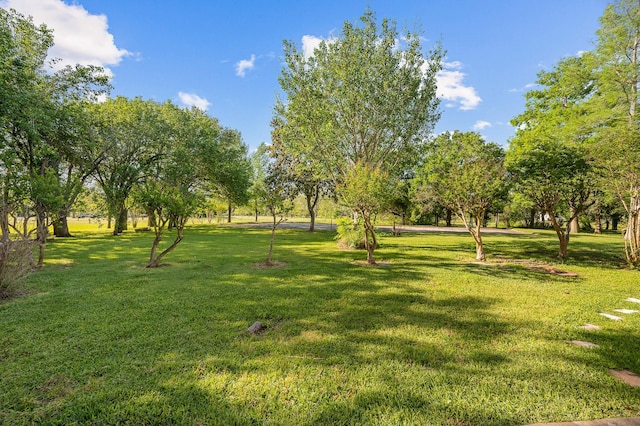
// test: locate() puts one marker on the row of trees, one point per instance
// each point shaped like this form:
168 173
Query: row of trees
57 139
356 123
359 114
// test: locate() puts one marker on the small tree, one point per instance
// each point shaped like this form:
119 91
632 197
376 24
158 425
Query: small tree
466 175
553 176
278 201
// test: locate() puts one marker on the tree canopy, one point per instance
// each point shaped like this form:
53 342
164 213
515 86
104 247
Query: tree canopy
361 102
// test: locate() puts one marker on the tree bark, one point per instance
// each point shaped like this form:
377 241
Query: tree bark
574 224
632 232
154 261
4 225
61 225
370 241
41 235
312 201
597 220
120 219
563 236
448 217
229 213
271 241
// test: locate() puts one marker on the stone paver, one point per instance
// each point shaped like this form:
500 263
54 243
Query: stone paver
591 327
626 376
611 317
584 344
627 311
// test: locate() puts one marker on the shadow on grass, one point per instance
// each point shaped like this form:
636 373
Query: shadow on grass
175 346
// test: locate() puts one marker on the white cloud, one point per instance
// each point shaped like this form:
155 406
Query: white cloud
481 125
79 37
451 87
309 45
191 99
244 65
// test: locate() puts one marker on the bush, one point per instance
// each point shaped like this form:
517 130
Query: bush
16 261
350 235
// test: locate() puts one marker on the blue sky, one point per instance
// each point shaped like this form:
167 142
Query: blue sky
225 56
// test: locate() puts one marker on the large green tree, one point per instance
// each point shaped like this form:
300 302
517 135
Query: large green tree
363 102
37 115
133 134
466 175
615 112
548 156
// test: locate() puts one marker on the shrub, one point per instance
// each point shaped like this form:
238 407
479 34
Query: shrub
16 261
350 234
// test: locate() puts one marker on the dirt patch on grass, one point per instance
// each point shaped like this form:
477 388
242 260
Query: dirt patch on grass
378 264
272 264
531 265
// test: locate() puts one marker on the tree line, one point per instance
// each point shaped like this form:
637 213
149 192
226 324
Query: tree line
58 138
355 123
360 111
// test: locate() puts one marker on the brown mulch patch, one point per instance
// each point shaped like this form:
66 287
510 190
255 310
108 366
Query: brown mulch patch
273 264
379 264
531 265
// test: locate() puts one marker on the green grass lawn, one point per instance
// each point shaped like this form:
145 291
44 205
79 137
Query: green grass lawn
431 338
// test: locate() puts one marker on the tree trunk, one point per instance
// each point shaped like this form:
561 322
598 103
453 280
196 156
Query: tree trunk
448 217
312 201
272 240
574 224
4 225
597 220
532 218
61 225
154 261
632 232
615 219
229 213
563 236
120 222
369 237
477 236
475 231
41 235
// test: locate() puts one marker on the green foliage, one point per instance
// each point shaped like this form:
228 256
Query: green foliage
362 100
465 175
349 233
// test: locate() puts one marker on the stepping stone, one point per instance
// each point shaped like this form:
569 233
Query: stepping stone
634 300
584 344
626 376
627 311
590 327
611 317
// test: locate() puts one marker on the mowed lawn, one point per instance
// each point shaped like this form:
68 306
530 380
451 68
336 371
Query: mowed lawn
429 338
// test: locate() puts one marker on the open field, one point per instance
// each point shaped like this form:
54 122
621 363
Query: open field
431 338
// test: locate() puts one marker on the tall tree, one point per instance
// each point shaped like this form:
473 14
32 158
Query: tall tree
364 102
615 107
133 134
548 156
300 172
466 175
557 178
35 104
